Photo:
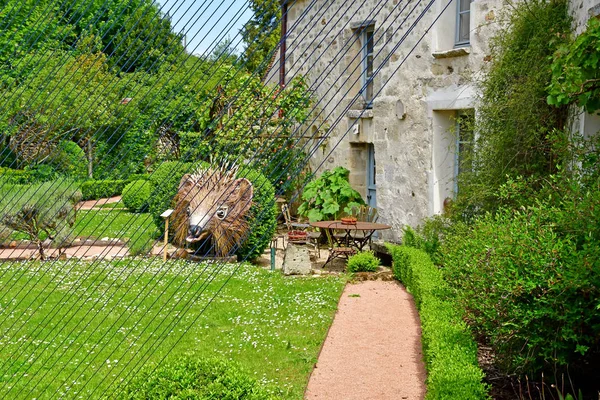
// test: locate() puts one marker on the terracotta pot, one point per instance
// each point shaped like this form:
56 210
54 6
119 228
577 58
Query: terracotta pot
297 236
349 220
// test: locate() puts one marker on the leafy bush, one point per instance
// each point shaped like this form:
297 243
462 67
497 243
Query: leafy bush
70 160
139 177
42 210
328 196
193 147
428 236
16 176
136 195
529 283
164 184
262 216
449 350
363 262
194 379
100 189
576 71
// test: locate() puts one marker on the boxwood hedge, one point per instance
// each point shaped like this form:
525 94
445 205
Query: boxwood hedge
449 349
101 189
136 195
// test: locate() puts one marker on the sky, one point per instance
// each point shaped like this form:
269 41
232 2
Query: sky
207 22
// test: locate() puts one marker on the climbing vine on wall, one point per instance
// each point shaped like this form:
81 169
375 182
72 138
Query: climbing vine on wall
515 125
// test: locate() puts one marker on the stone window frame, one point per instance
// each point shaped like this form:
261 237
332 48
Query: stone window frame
463 14
365 30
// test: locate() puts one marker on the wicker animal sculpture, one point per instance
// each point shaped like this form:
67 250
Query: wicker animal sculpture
212 202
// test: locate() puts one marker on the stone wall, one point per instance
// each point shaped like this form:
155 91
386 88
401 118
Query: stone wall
323 45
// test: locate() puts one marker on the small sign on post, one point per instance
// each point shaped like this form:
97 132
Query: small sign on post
166 216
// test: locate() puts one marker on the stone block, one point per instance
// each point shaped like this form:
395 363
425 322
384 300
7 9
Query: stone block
296 260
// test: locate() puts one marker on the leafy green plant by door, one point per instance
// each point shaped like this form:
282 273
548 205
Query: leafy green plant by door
329 196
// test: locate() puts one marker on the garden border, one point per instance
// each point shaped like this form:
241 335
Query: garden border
449 350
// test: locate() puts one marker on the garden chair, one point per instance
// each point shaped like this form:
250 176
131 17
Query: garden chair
293 224
336 249
364 213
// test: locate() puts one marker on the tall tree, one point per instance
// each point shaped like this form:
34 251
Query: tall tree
261 34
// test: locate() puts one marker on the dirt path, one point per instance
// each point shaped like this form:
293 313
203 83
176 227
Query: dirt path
373 349
93 204
86 252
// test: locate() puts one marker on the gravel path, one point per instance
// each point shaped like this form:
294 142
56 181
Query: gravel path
373 348
93 204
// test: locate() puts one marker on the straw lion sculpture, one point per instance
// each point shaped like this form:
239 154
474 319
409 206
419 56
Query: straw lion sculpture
213 202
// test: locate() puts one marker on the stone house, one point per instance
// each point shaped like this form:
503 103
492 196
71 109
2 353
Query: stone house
395 115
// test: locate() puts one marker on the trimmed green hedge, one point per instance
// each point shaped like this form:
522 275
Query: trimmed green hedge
189 378
40 173
16 176
100 189
263 213
136 195
450 351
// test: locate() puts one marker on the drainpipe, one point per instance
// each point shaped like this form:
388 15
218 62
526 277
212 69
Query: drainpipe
284 11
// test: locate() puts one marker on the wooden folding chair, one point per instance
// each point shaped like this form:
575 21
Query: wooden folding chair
336 250
291 223
365 213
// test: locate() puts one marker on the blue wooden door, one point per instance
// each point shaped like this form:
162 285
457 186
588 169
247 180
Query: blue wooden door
371 182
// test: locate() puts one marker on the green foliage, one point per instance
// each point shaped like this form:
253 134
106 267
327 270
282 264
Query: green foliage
136 195
576 71
449 350
428 236
261 35
16 176
514 122
529 283
193 147
42 210
164 184
191 378
100 189
262 215
70 160
329 196
363 262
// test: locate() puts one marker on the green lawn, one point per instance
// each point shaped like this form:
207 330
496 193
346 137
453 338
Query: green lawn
130 227
114 224
75 329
